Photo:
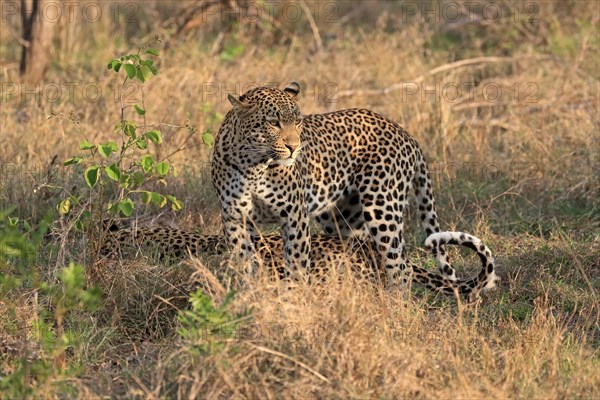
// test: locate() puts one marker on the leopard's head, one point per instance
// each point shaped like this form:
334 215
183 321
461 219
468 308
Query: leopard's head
270 123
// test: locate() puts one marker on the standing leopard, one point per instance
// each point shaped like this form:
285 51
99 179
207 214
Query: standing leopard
327 252
352 170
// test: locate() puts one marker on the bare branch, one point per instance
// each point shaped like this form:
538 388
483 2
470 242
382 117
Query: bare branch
17 37
313 25
447 67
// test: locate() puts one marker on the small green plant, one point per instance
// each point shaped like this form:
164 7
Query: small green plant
125 171
18 246
213 118
207 327
51 332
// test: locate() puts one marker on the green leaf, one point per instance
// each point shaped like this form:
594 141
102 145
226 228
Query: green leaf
91 175
85 145
130 70
154 52
113 64
145 71
153 69
140 75
139 110
130 130
64 206
138 178
125 180
176 204
158 199
113 172
208 139
154 136
107 149
142 144
162 168
146 197
72 161
118 67
126 206
147 163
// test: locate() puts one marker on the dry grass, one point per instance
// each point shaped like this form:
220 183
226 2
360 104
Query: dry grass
522 173
344 340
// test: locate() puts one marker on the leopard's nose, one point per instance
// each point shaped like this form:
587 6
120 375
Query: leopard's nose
292 147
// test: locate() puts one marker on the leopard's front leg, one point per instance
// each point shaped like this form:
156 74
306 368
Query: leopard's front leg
285 198
234 215
296 234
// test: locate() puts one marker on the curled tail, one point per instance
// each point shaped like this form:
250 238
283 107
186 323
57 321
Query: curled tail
471 288
429 220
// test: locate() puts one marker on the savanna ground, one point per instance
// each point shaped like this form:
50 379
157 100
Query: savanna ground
515 155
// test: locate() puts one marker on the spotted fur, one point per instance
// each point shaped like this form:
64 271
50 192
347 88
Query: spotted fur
352 170
326 253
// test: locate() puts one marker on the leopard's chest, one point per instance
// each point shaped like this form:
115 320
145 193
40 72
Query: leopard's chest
310 182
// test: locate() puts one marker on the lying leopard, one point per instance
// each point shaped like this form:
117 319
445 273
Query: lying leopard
352 170
326 252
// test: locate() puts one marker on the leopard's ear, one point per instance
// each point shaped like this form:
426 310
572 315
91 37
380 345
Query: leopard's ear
292 89
239 105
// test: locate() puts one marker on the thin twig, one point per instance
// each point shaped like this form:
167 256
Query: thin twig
313 25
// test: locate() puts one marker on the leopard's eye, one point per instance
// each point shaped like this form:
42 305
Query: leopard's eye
274 122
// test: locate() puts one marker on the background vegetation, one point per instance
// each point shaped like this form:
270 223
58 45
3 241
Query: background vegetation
503 98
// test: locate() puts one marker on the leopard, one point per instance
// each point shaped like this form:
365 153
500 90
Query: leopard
327 252
350 170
